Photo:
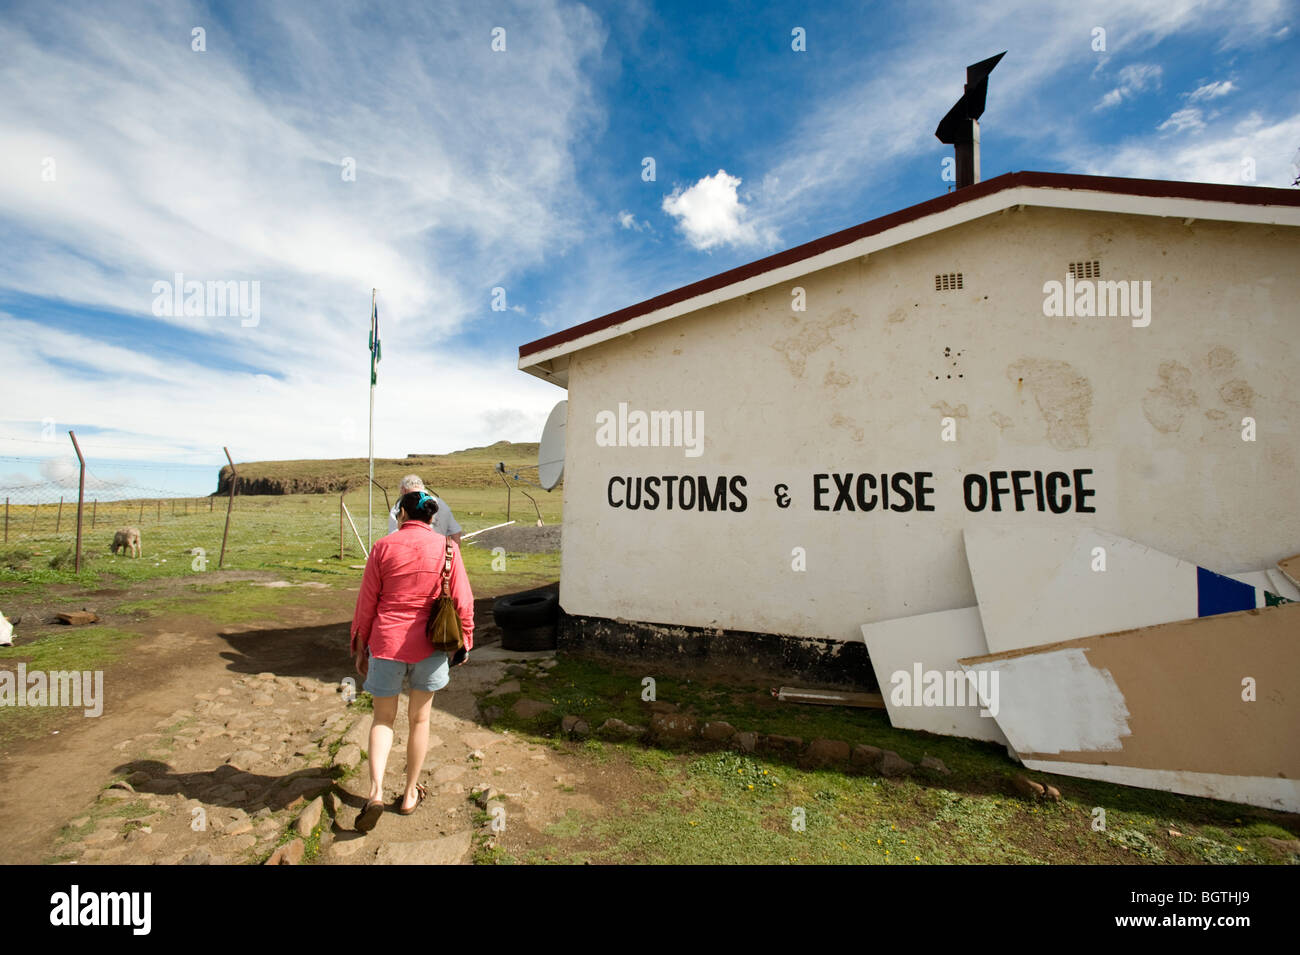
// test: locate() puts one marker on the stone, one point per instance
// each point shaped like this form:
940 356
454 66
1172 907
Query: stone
263 699
244 759
745 742
344 849
125 786
101 837
77 618
492 713
198 857
672 725
239 843
718 731
826 752
485 796
1027 787
617 729
893 765
659 706
290 853
785 745
309 818
575 726
237 827
448 850
348 756
528 709
266 675
447 772
510 686
866 757
935 764
79 822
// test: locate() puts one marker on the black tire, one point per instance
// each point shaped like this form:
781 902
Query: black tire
529 638
533 608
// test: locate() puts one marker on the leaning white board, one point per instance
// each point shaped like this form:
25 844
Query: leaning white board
1035 584
904 650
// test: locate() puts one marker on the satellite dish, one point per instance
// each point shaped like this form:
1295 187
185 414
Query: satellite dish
550 452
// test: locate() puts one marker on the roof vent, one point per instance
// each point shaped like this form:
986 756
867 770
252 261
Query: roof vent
947 281
960 128
1085 270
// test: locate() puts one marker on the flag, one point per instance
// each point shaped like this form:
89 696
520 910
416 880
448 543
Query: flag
375 353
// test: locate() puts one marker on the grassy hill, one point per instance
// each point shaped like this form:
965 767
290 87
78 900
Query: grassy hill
471 468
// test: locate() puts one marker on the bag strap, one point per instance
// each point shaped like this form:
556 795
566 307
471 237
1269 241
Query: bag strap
446 573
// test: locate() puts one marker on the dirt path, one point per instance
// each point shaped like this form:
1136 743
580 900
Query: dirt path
226 734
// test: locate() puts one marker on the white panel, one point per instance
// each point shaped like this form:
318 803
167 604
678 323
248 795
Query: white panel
929 642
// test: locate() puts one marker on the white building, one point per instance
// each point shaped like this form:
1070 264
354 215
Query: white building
1152 392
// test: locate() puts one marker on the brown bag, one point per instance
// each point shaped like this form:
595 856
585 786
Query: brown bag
443 629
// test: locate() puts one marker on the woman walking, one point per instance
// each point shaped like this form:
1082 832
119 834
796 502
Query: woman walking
402 581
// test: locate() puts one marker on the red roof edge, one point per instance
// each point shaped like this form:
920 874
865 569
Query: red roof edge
1156 188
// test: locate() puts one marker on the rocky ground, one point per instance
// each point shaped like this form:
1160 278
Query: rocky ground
267 768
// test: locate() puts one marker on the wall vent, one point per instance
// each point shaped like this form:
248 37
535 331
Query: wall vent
947 281
1085 270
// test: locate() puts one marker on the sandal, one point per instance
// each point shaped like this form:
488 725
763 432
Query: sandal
420 793
369 816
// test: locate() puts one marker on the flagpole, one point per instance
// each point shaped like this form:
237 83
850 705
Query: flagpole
370 488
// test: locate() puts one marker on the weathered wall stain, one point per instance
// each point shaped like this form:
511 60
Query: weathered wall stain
1237 394
1166 405
840 421
1064 399
1001 420
811 336
836 379
948 411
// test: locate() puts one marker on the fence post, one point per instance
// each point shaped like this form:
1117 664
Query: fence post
81 495
209 503
6 520
36 509
140 517
230 503
158 512
94 507
341 525
58 518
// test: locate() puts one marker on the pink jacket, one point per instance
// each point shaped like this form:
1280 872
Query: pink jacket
403 578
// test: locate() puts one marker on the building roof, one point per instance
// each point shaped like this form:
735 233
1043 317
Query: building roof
547 357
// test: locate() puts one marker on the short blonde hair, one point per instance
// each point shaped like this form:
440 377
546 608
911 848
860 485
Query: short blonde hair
411 482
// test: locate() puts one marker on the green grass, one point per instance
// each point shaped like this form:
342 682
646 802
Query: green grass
699 805
295 535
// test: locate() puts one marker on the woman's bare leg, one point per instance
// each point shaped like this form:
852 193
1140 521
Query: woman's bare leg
417 741
381 743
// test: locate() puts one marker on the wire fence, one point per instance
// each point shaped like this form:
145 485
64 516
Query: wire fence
73 500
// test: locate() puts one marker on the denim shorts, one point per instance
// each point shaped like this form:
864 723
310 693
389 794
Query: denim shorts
384 678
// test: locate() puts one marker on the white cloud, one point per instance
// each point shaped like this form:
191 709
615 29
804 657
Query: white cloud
629 221
1189 118
1133 79
227 165
1223 153
1211 90
710 213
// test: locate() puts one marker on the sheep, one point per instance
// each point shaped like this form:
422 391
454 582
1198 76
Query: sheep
127 538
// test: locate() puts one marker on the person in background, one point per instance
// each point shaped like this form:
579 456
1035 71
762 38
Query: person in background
403 579
444 522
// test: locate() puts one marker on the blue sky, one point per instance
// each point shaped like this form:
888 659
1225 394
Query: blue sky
129 156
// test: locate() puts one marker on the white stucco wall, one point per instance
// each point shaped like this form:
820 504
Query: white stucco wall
859 382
